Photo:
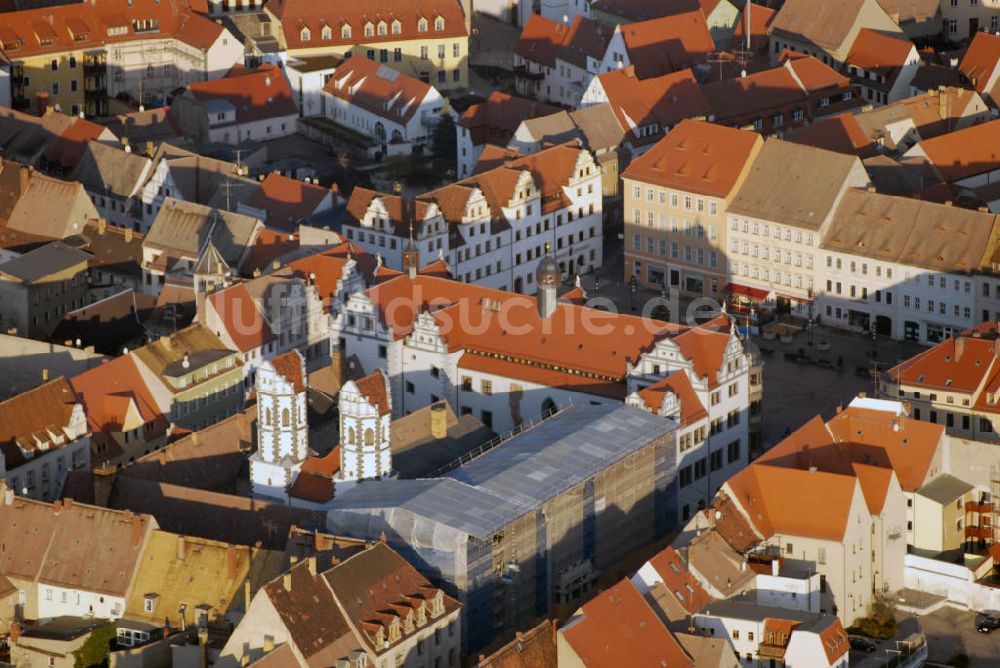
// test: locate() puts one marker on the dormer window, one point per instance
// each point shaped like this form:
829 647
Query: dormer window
382 28
326 34
345 32
304 35
369 30
408 622
397 27
422 25
439 24
437 604
149 602
394 630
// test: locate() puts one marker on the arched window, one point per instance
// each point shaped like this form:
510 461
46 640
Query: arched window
422 25
285 417
327 33
382 28
548 407
304 35
369 437
369 30
345 32
270 417
439 23
350 436
397 135
397 27
379 132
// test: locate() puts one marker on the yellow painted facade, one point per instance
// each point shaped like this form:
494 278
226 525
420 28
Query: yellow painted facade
434 61
58 74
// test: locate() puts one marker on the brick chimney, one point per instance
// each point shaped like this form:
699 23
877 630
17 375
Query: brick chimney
15 633
181 548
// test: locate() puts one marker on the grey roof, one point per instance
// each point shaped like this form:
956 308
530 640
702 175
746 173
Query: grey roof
315 63
110 170
468 510
735 608
779 189
513 478
184 227
49 259
211 262
597 125
944 489
561 452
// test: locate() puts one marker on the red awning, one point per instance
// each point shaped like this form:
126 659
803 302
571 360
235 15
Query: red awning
747 291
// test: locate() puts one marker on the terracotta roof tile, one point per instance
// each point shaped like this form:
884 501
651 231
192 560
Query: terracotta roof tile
873 50
679 580
47 407
667 44
964 153
378 89
374 388
241 318
697 157
543 40
314 16
255 95
679 385
109 390
980 61
287 201
620 623
291 367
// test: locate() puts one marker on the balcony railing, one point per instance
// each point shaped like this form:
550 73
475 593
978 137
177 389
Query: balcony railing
523 72
978 532
974 507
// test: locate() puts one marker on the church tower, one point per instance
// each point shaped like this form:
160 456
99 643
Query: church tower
365 423
282 428
547 278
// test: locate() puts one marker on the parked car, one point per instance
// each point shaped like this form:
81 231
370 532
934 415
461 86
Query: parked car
988 623
862 644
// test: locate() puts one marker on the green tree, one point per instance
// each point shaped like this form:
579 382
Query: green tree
443 144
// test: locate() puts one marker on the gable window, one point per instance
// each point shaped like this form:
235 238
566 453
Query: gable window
422 25
439 24
382 28
326 34
304 35
345 32
397 27
369 30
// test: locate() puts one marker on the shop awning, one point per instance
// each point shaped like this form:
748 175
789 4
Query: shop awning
747 291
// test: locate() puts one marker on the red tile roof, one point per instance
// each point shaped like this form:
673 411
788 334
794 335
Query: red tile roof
679 580
964 153
377 89
835 641
291 367
57 28
760 19
254 94
373 387
287 201
241 318
269 245
664 45
664 100
618 624
981 60
298 14
326 268
679 385
840 133
543 40
107 391
495 120
873 50
697 157
36 411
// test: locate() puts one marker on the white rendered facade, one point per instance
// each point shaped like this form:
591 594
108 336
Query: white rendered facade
149 69
42 473
365 431
282 431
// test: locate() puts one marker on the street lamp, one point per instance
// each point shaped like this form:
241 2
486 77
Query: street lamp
634 289
597 286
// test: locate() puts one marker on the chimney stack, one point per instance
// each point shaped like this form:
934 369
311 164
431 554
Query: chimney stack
128 235
439 420
102 226
181 548
24 176
246 595
45 375
15 633
286 581
311 565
